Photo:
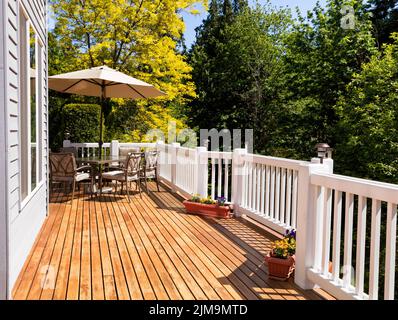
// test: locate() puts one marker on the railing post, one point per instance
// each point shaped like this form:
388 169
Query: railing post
115 148
237 178
307 220
202 172
329 163
160 159
174 151
66 143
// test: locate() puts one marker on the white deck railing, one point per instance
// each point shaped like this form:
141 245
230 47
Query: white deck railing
88 149
339 200
270 190
326 209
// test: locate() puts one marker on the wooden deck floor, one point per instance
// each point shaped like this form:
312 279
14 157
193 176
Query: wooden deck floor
146 249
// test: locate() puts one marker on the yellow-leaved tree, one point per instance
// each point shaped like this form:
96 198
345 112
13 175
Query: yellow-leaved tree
138 37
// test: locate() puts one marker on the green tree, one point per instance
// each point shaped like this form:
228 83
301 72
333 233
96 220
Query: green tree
385 19
137 37
368 130
321 59
236 67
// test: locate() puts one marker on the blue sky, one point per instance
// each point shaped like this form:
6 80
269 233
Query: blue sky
194 21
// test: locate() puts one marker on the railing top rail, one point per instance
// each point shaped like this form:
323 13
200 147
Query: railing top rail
371 189
186 149
276 162
88 144
186 152
137 144
219 155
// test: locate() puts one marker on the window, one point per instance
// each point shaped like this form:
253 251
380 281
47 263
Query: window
33 104
30 75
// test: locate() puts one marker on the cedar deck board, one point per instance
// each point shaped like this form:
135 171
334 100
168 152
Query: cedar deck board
146 249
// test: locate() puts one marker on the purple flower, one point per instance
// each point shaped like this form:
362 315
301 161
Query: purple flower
221 200
290 233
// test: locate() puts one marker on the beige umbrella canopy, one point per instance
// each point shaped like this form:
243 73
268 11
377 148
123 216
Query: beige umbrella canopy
103 82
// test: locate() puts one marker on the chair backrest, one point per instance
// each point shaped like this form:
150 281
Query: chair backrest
62 164
151 159
133 163
124 151
69 150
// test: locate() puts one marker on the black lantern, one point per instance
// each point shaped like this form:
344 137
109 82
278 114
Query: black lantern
323 151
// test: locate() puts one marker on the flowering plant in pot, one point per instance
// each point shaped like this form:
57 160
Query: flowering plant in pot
281 259
208 207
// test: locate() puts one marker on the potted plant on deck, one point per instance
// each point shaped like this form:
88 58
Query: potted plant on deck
281 259
208 207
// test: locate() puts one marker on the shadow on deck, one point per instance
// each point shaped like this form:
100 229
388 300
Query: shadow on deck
148 248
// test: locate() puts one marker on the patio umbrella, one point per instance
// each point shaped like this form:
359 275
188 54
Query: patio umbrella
103 82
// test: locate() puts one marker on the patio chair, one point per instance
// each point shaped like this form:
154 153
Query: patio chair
150 168
123 152
127 173
63 168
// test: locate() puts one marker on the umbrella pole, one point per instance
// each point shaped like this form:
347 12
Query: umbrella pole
101 142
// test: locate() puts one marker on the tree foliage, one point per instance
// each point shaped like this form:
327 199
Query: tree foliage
385 19
237 67
258 68
82 121
368 140
321 58
137 37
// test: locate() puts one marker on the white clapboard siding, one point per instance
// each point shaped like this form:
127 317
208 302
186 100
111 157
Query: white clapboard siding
24 219
3 160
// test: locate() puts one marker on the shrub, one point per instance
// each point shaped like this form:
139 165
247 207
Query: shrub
82 122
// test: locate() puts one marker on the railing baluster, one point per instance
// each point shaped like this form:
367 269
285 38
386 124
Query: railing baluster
288 197
349 217
268 191
272 194
319 218
361 238
375 250
326 230
219 171
258 185
336 235
250 183
263 189
277 194
254 190
283 196
213 178
226 179
391 241
294 199
246 182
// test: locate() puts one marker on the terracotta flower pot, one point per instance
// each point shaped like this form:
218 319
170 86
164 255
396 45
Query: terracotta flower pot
280 269
211 210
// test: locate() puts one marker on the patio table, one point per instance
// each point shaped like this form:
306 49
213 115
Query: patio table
99 163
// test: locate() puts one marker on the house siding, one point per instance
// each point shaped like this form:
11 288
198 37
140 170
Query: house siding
23 222
3 160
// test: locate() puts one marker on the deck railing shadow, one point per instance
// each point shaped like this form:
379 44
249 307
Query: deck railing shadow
256 244
253 243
